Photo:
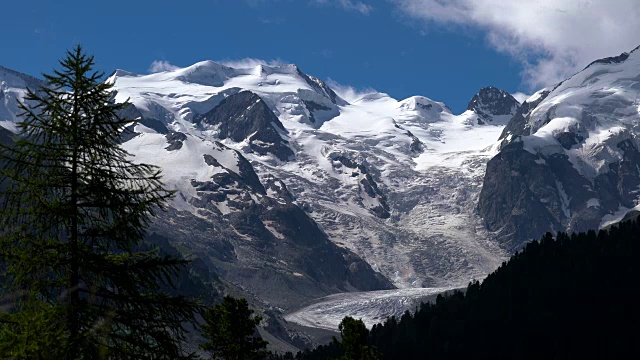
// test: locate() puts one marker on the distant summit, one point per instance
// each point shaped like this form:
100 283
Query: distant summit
493 106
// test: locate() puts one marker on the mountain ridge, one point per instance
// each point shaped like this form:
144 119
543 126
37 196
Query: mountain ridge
344 163
288 192
581 137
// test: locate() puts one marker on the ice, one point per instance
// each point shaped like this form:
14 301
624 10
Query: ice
372 307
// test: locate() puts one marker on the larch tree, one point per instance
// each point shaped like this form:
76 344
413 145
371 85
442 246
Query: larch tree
230 330
74 211
354 335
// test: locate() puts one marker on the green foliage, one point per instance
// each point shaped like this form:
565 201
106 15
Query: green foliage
230 330
74 210
563 297
35 332
354 340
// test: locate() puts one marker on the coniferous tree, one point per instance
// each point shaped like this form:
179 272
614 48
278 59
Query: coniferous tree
74 210
354 340
230 331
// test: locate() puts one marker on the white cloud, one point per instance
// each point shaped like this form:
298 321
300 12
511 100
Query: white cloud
552 38
351 5
249 63
521 97
348 93
161 65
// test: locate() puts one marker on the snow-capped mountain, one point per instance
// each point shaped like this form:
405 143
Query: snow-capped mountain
569 158
492 105
246 229
13 88
395 182
287 192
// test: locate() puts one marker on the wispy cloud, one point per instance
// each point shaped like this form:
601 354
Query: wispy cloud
161 65
520 96
250 62
271 21
552 38
348 93
350 5
325 53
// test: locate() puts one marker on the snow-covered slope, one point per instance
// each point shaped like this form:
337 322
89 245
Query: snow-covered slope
178 95
394 181
246 229
491 105
570 158
13 88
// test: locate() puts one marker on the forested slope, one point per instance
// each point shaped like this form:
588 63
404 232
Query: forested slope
568 296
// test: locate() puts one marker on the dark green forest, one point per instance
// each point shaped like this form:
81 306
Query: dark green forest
563 297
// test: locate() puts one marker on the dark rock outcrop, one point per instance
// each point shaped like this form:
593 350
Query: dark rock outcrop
491 102
613 59
132 113
245 116
175 140
367 185
519 125
320 87
257 238
514 197
525 195
6 136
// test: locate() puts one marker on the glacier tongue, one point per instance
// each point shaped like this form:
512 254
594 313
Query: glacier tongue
372 307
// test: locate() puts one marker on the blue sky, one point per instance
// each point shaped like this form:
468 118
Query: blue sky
401 47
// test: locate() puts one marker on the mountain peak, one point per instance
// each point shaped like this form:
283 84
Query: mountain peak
206 72
423 105
491 103
245 117
613 59
14 78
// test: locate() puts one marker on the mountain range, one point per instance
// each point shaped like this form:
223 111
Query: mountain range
288 192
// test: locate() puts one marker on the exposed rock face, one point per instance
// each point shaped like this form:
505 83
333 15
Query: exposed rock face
13 88
252 233
518 125
371 196
525 195
569 159
132 113
613 59
491 103
175 140
246 117
6 136
320 87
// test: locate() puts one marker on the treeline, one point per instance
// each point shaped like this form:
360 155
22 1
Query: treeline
572 296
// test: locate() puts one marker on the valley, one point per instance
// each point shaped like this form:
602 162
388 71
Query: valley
315 204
